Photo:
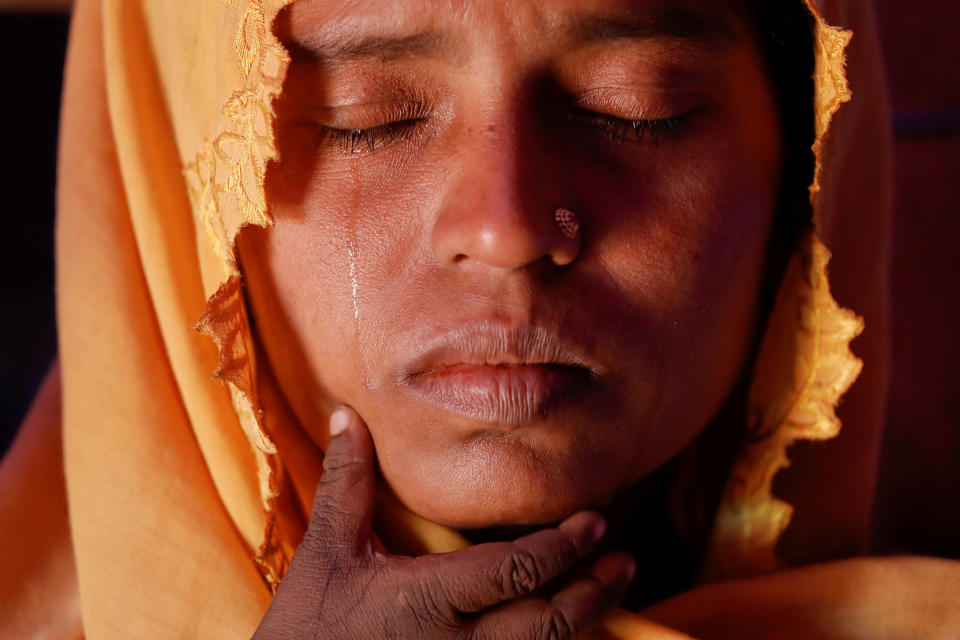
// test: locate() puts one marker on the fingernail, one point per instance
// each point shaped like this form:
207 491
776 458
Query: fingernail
598 528
339 421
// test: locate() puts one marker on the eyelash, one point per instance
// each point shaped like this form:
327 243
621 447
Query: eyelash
623 129
355 141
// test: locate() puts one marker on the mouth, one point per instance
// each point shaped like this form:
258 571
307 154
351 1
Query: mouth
505 377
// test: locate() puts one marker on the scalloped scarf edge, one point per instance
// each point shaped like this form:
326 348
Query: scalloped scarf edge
227 186
751 519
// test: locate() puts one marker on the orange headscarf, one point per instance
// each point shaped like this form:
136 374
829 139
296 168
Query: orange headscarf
188 494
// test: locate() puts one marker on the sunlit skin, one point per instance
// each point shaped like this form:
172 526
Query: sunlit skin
480 121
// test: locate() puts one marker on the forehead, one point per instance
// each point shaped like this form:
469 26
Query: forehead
360 28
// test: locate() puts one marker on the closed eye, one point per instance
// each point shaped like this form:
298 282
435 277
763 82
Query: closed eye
370 139
355 141
626 130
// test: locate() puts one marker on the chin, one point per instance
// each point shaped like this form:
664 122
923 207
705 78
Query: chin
483 511
478 487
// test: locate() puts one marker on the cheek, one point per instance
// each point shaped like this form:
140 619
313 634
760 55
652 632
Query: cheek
704 270
684 226
299 282
684 239
321 279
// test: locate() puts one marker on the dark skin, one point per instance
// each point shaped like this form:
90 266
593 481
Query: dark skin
424 151
340 586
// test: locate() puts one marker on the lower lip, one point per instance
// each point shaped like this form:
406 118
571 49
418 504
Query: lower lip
501 395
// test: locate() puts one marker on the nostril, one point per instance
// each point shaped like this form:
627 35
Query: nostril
506 240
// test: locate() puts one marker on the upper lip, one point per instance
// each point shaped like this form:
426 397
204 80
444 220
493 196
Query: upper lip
488 343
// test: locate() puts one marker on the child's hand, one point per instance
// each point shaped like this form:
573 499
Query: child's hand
340 586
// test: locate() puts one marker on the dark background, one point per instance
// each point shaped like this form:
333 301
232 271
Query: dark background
32 48
921 41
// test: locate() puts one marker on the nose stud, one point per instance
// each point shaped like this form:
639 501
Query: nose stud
568 222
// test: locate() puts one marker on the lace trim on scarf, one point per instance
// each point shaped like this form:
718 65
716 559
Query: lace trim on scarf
788 403
227 186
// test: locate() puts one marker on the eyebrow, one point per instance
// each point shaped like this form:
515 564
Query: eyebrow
426 44
706 30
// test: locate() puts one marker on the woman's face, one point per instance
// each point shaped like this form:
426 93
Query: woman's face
415 270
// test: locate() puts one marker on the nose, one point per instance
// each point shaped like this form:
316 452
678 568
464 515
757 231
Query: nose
495 211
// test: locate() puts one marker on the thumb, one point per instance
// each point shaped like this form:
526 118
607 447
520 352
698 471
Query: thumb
343 504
